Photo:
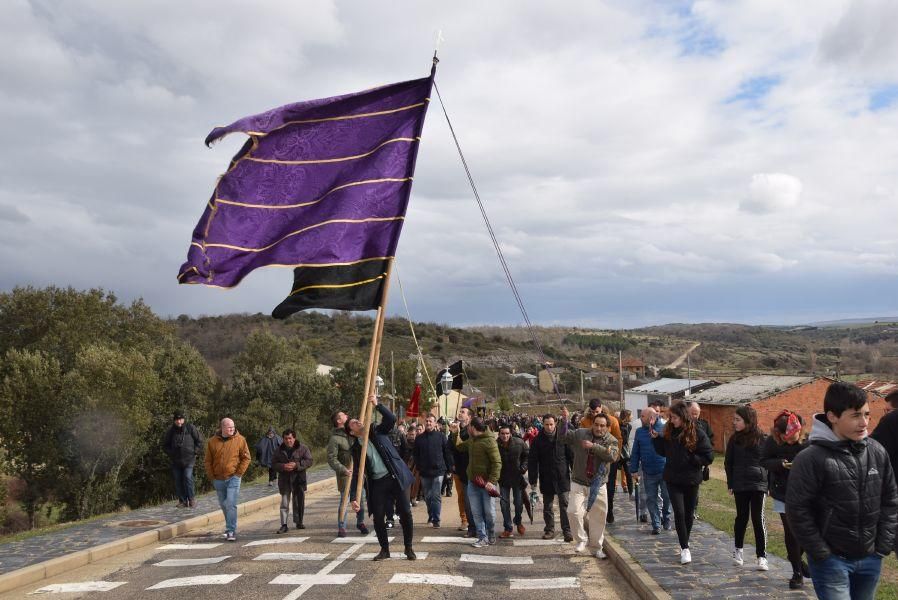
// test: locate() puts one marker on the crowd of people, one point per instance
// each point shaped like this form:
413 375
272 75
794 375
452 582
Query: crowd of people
832 484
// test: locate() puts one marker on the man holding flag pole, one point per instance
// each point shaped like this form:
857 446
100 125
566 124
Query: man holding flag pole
387 477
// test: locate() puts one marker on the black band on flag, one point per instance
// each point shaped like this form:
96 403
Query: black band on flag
357 286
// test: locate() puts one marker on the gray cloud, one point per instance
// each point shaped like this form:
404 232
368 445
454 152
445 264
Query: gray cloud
614 170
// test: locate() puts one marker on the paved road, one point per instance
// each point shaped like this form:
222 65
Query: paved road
316 565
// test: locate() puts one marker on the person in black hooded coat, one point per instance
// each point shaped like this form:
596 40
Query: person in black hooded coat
842 502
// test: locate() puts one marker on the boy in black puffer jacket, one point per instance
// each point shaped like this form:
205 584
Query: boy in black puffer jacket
842 501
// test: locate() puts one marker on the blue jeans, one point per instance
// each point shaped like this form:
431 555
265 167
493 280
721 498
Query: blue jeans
653 485
483 510
432 497
507 495
228 490
184 488
342 484
838 578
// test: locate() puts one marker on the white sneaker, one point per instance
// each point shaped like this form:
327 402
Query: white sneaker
762 564
580 547
685 556
738 558
601 555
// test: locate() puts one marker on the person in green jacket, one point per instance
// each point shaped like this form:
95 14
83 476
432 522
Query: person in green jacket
339 458
484 467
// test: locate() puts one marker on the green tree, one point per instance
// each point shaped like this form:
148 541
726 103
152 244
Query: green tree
61 321
110 395
32 417
266 350
350 382
187 383
505 404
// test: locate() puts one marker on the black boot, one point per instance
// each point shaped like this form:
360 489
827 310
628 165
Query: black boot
796 582
410 554
384 554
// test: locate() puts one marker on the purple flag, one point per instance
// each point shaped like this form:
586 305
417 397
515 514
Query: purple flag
321 186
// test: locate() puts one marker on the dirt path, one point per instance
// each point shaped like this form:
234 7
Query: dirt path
683 356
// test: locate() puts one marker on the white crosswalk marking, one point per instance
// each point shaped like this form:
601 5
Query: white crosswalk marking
432 579
291 556
191 562
197 580
446 539
496 560
272 541
304 587
313 579
84 586
544 584
368 539
189 546
538 542
371 555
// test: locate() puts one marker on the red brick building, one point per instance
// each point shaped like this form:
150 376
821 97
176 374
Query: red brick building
768 395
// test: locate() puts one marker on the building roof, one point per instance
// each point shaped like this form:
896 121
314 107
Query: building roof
669 386
879 386
589 374
632 362
750 389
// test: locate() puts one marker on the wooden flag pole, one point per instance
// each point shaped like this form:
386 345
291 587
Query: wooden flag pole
365 413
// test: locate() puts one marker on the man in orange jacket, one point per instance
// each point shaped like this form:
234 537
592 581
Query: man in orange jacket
227 459
596 408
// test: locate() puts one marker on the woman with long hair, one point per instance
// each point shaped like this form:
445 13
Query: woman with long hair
747 483
686 449
777 454
626 428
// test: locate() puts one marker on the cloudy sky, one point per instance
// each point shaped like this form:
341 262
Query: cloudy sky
641 162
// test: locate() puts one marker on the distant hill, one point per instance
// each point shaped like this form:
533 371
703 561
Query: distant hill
855 322
727 350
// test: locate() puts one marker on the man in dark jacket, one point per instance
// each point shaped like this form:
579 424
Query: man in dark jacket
433 460
549 463
886 432
183 443
842 502
265 449
387 478
291 460
695 411
514 453
644 459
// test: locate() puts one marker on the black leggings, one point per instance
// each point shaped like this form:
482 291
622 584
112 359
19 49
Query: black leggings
682 499
628 478
750 503
793 548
